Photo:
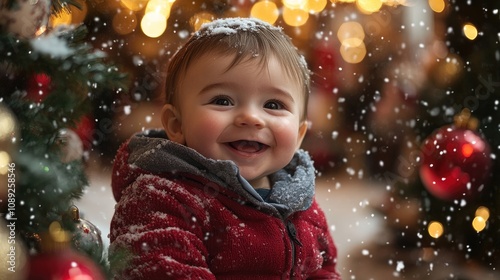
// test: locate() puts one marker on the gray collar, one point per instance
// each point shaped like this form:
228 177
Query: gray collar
292 186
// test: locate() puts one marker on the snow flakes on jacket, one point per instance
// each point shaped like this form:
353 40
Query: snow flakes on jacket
183 216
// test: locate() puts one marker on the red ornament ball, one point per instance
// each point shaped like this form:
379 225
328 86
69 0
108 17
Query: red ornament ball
456 163
64 265
39 87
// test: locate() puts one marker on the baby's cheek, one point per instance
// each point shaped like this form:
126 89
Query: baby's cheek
286 132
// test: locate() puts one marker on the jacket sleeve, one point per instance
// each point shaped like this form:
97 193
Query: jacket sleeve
327 246
156 232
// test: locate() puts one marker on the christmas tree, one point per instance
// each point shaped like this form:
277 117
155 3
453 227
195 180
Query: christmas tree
444 192
423 114
49 76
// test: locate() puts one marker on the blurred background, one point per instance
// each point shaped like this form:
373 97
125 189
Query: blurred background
404 120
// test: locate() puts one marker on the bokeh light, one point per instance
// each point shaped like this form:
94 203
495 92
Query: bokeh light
437 5
483 212
153 24
295 17
470 31
350 29
294 4
478 223
315 6
351 36
369 6
159 6
435 229
353 50
4 162
134 5
266 11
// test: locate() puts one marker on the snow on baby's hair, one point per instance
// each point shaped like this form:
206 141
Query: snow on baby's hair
230 26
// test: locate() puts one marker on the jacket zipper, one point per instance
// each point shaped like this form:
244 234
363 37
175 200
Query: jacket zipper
292 234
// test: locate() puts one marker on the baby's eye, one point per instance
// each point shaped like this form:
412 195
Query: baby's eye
221 101
274 105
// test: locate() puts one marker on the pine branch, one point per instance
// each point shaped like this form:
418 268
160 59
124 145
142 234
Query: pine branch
47 185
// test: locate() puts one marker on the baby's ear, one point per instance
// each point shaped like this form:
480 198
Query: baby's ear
172 124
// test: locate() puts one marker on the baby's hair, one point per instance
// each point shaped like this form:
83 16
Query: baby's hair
246 38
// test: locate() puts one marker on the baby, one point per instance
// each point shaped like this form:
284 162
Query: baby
224 190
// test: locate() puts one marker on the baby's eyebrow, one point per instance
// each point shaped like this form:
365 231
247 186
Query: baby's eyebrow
282 93
210 87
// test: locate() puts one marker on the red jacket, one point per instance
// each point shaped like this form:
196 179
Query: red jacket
182 216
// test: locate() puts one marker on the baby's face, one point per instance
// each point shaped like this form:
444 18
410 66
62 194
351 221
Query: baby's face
249 114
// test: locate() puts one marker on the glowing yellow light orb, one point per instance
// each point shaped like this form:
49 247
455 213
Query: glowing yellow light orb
124 22
295 17
7 125
470 31
483 212
478 223
315 6
435 229
4 162
159 6
437 5
369 6
353 50
350 29
153 24
134 5
294 4
266 11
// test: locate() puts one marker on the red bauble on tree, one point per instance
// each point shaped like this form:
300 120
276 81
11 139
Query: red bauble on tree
456 161
39 86
64 265
58 261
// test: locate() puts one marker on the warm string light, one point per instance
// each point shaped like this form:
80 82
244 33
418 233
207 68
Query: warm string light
5 159
481 217
369 6
435 229
437 5
479 223
351 36
295 17
134 5
153 23
265 10
470 31
294 13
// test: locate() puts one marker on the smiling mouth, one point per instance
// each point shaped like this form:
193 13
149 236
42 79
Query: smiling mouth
247 146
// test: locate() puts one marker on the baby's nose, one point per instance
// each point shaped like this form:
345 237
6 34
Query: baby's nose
249 117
